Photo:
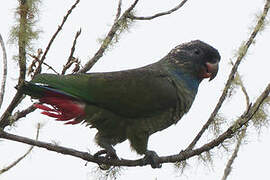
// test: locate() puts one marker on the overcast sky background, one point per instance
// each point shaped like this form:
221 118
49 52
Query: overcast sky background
223 24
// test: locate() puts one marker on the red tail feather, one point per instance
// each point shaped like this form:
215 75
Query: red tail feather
43 107
63 108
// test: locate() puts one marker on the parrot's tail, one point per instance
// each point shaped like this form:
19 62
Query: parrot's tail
62 106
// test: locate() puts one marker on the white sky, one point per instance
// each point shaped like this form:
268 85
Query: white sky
223 24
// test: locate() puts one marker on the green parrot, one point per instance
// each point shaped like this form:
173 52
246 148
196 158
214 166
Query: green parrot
130 104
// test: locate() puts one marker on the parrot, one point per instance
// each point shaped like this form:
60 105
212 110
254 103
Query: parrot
129 104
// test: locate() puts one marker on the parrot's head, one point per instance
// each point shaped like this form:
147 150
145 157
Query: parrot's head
196 58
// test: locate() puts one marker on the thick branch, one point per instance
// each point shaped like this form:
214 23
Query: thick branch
106 42
38 70
4 77
245 48
158 14
22 64
183 155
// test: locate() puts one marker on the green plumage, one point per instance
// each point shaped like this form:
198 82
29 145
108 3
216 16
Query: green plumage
127 104
134 104
126 93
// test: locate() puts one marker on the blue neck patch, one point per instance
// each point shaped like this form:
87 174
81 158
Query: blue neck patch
189 82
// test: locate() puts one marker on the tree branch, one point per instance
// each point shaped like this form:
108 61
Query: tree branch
22 157
22 64
108 39
183 155
242 54
244 90
38 70
70 58
228 168
20 114
118 10
36 60
22 60
158 14
4 77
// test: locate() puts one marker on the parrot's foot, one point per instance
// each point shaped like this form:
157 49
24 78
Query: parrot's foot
109 155
152 158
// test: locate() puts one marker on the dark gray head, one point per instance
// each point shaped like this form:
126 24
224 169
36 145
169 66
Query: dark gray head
197 58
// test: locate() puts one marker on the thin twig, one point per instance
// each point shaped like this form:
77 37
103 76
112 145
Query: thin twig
36 60
78 33
4 77
118 10
242 134
106 42
183 155
228 168
70 58
38 70
21 114
244 90
158 14
245 48
50 67
22 157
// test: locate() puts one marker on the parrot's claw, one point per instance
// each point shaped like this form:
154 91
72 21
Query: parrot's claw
99 153
152 158
109 154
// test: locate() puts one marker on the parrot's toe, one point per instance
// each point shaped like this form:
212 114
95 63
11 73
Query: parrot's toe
152 158
99 153
108 154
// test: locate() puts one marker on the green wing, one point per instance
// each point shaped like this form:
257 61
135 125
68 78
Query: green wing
132 93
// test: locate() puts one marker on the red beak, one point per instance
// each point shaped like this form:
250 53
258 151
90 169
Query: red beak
210 70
